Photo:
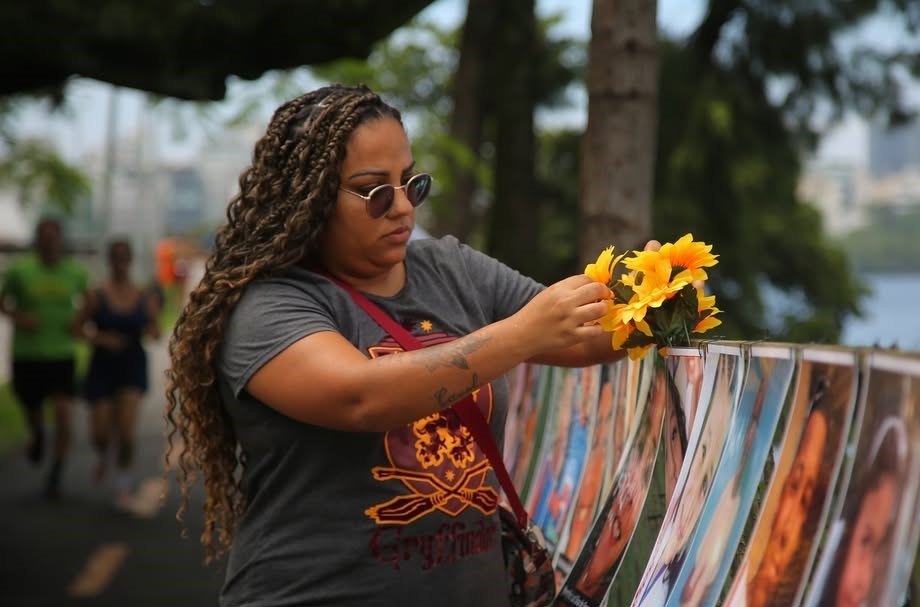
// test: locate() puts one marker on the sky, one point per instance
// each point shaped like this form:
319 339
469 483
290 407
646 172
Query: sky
82 128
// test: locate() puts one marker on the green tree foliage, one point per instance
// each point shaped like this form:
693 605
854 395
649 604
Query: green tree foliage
727 171
737 112
34 170
556 203
800 46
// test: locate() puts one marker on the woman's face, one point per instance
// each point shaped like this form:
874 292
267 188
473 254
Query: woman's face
353 242
692 390
794 505
120 260
673 449
605 408
615 535
869 530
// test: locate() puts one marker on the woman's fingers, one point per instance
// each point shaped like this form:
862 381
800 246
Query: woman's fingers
590 313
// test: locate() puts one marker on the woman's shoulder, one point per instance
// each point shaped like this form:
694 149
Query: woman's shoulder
440 257
446 250
291 285
433 245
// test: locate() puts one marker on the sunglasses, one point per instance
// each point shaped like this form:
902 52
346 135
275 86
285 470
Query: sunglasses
380 199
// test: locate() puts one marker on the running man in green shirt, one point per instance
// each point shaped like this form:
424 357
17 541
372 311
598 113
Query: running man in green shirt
40 291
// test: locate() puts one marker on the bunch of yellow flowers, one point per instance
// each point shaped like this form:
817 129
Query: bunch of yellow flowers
660 301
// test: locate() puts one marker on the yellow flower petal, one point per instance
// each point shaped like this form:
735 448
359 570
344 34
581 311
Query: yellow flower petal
704 302
619 336
707 323
690 255
602 270
639 352
642 326
599 271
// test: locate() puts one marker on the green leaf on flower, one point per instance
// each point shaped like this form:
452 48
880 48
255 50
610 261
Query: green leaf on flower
622 293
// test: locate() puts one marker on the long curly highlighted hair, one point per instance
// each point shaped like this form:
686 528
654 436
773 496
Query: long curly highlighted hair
285 198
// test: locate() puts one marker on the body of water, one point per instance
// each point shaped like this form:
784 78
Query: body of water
891 314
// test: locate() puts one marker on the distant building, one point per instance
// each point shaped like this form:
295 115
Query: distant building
899 192
184 208
228 154
894 150
838 192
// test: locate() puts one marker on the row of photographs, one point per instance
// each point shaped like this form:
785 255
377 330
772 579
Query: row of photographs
730 474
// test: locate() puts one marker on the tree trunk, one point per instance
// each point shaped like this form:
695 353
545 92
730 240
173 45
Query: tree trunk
618 150
513 220
470 89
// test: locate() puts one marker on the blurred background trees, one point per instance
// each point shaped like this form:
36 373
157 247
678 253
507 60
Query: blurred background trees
704 133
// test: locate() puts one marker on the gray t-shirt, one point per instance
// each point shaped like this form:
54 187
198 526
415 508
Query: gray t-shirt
406 517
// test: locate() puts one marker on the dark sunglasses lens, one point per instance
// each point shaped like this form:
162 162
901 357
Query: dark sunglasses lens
381 201
417 189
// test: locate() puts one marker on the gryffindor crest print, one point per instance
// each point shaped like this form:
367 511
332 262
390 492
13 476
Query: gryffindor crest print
435 458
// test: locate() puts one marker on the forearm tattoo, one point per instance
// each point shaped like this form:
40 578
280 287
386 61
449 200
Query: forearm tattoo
452 354
446 399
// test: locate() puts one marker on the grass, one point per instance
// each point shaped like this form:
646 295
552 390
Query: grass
12 423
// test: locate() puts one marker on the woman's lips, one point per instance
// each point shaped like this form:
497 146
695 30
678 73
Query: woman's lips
399 235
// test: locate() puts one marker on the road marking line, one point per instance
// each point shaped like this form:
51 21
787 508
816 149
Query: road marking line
100 569
147 500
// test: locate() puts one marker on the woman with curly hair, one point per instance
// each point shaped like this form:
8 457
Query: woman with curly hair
335 471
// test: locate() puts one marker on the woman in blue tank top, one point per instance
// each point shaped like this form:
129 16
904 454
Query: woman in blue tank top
115 318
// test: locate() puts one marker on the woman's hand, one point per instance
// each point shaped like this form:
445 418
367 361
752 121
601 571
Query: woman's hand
563 314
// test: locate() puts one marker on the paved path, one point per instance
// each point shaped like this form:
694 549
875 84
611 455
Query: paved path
81 550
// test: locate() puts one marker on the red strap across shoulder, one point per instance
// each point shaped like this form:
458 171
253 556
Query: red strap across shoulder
466 409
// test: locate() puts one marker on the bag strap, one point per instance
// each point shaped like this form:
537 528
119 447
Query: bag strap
466 409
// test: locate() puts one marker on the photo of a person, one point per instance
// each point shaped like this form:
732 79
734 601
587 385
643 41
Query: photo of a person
903 586
668 555
795 510
589 489
603 551
861 558
685 374
584 408
622 371
866 522
675 446
519 384
797 499
533 412
686 368
553 456
544 428
763 398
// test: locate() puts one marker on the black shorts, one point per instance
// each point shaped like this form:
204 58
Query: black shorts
36 380
111 372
